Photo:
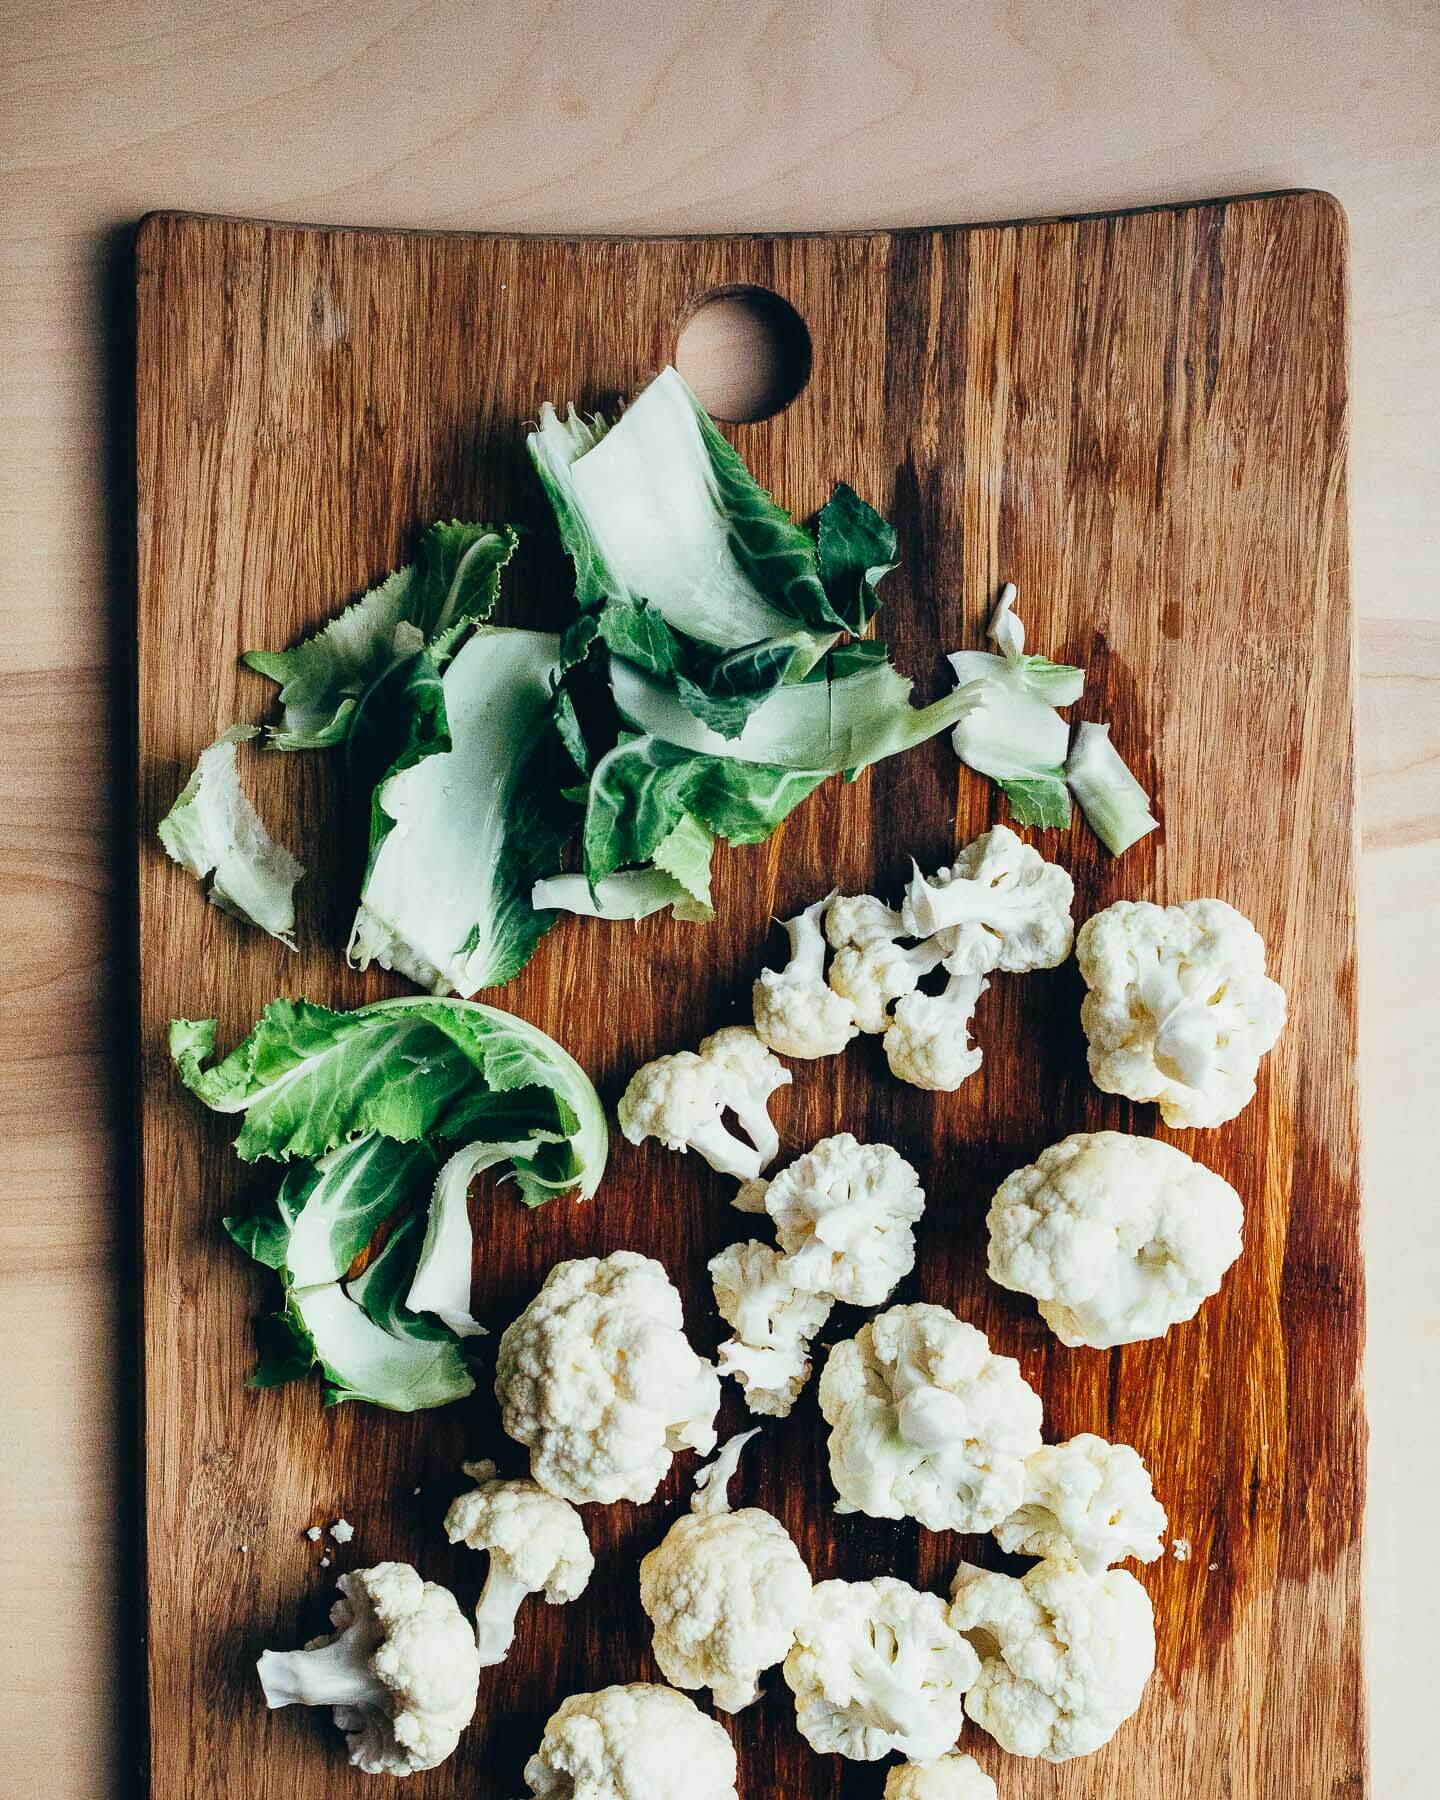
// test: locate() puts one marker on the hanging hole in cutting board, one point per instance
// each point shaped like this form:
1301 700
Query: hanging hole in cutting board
745 353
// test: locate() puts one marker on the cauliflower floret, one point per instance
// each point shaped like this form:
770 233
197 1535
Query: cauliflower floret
536 1542
1064 1656
1088 1500
597 1378
1180 1009
773 1321
861 919
680 1100
795 1012
400 1670
844 1214
871 968
953 1777
1117 1237
928 1040
637 1742
926 1423
877 1667
747 1075
724 1591
999 906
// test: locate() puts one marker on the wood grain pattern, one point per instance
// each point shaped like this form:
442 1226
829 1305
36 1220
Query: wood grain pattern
1139 418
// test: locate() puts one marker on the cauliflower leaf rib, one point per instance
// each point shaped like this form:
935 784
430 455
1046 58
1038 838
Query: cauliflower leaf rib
214 830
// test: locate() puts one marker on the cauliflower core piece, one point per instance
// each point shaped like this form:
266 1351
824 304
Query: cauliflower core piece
773 1322
400 1670
724 1592
638 1742
795 1012
926 1423
597 1378
953 1777
1180 1009
877 1667
1064 1656
999 906
536 1542
1117 1237
871 968
844 1213
1087 1500
750 1196
681 1100
928 1043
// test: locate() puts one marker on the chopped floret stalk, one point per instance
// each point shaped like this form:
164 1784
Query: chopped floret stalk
500 1601
336 1674
712 1483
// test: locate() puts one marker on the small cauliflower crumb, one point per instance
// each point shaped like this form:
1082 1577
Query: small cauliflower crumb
324 1562
1180 1549
314 1534
342 1531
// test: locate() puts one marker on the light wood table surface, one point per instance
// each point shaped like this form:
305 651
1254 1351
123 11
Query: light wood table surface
692 115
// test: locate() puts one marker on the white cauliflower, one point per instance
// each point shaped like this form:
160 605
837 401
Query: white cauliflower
1180 1009
724 1591
748 1076
999 906
952 1777
536 1542
926 1423
773 1322
597 1378
1064 1656
928 1041
872 968
400 1670
861 919
795 1012
1088 1500
637 1742
844 1213
681 1100
1117 1237
877 1667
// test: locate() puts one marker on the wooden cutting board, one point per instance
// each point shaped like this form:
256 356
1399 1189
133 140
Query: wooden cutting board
1139 418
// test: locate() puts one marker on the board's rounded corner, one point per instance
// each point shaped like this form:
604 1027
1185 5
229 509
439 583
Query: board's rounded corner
142 235
146 230
1333 208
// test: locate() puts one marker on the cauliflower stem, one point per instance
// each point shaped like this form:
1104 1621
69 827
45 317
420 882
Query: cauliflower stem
334 1674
